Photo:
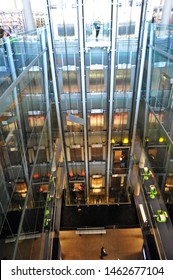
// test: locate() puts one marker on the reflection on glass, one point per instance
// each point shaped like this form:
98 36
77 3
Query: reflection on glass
73 126
96 121
76 153
96 81
97 152
120 120
70 82
97 15
35 121
122 80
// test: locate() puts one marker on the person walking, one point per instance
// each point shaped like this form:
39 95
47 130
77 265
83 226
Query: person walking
103 253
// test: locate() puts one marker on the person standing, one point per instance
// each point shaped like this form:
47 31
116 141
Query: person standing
2 31
103 253
97 25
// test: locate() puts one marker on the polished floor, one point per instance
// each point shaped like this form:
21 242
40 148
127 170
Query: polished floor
122 244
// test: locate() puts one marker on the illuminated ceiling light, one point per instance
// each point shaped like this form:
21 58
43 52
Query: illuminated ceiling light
125 141
96 190
36 175
112 141
71 174
161 139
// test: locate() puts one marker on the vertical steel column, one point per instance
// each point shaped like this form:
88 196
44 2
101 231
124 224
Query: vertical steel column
83 88
28 16
111 95
55 88
137 66
149 72
46 88
138 97
166 12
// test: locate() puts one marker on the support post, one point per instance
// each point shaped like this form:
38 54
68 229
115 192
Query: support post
111 95
83 90
46 84
149 74
166 12
28 16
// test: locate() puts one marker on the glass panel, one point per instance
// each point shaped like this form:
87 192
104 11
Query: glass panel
96 81
97 102
97 183
163 37
97 121
133 58
120 120
117 191
70 82
64 18
126 29
97 20
76 154
120 160
124 57
122 80
97 153
129 10
157 156
73 126
96 56
36 121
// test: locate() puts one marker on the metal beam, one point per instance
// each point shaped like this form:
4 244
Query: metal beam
55 85
83 89
46 88
111 94
142 47
28 16
148 85
166 12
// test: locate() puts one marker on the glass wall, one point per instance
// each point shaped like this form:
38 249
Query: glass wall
158 110
25 142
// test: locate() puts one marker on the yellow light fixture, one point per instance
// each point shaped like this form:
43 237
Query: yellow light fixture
96 190
125 140
161 139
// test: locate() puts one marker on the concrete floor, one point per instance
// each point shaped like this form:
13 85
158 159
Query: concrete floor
123 244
